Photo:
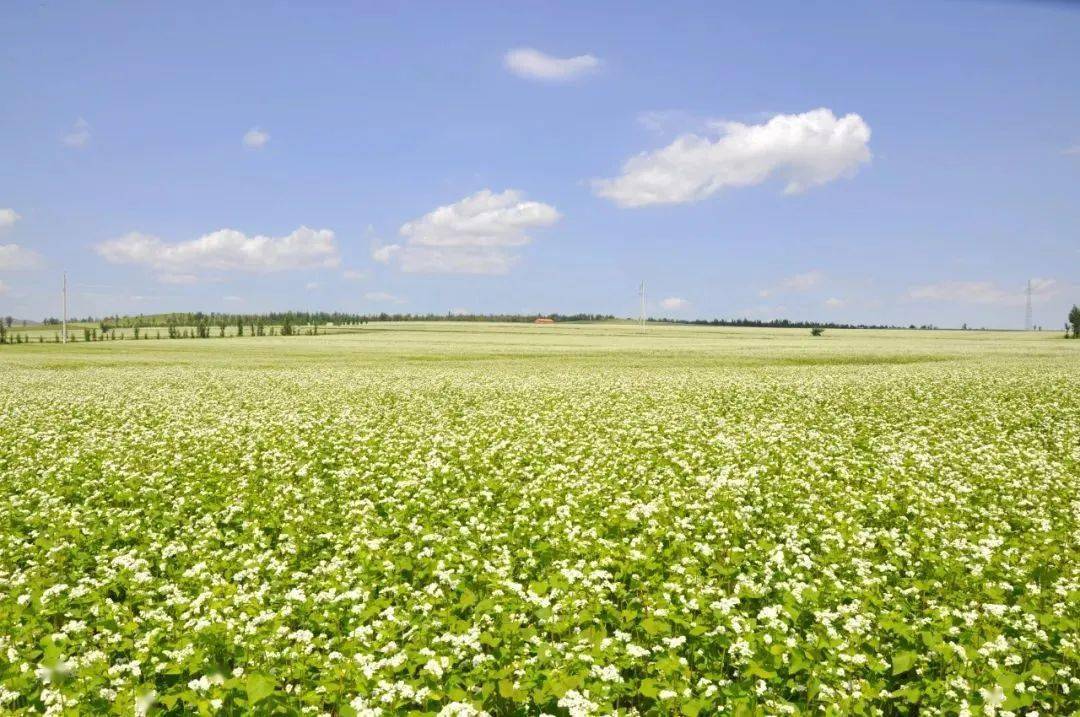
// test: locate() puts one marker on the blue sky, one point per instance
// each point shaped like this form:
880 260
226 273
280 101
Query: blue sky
931 150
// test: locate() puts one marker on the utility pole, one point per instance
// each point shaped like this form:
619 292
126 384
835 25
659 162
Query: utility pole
641 293
1027 308
63 330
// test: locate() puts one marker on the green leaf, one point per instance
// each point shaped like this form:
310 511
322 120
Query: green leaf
653 626
903 661
913 694
259 687
758 671
692 708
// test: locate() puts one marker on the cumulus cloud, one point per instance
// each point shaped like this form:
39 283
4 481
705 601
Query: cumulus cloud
14 257
8 217
226 249
482 220
535 65
79 134
834 303
803 151
674 303
383 254
312 285
475 235
1074 150
353 275
381 297
983 292
3 288
255 138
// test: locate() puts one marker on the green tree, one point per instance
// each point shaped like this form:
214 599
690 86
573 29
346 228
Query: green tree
1074 319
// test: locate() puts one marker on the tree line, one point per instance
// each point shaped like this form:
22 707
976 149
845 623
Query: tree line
307 318
319 318
183 325
1073 323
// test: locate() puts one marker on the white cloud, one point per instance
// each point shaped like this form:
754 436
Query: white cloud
79 134
834 303
13 256
8 217
232 299
481 220
3 288
472 236
227 249
383 254
983 292
674 303
312 285
535 65
382 297
353 275
1075 150
255 138
804 150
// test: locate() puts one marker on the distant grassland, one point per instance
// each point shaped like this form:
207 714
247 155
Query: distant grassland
448 341
577 519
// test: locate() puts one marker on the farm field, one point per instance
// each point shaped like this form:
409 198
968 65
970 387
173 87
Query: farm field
452 519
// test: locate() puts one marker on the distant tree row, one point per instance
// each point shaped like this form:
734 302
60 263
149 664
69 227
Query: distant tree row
199 318
180 325
782 324
1073 323
305 318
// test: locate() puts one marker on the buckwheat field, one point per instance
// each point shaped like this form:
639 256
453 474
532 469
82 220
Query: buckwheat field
448 519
